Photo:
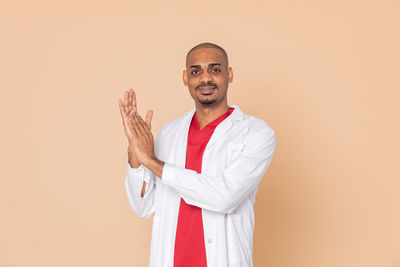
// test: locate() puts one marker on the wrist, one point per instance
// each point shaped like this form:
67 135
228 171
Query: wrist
155 165
134 163
150 162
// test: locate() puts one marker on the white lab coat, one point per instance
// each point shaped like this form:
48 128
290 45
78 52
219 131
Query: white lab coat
234 161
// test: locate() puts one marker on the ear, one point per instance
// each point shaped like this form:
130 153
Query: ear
185 78
230 74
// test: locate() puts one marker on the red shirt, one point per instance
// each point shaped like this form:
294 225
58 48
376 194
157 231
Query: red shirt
189 242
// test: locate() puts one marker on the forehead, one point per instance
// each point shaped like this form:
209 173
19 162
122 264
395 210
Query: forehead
204 56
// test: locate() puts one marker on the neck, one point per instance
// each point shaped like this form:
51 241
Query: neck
206 114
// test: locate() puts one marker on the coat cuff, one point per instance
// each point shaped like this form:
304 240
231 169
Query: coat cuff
169 174
140 173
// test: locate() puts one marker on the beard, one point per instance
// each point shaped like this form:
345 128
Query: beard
207 101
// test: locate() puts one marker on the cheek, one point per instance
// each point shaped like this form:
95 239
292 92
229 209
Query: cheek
221 82
192 83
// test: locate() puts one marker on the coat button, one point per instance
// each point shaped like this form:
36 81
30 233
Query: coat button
209 241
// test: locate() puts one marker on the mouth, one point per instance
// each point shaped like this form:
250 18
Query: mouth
206 90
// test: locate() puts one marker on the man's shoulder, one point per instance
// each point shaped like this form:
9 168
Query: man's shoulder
252 123
257 132
175 125
255 124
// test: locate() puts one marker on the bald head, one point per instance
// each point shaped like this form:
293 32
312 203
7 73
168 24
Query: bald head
209 45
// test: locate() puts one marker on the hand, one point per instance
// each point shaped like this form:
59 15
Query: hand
127 108
143 140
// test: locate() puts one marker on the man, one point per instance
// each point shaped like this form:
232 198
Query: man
200 176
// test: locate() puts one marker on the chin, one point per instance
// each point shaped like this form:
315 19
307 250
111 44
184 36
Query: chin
207 101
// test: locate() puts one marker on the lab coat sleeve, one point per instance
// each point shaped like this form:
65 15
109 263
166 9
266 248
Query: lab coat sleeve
224 191
142 206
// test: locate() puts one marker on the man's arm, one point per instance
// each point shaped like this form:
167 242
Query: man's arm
222 192
139 181
134 164
142 205
226 190
140 187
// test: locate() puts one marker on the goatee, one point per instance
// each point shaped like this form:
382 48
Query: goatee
207 101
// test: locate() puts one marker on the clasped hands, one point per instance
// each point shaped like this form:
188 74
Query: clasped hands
138 132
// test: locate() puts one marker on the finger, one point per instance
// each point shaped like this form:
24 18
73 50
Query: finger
135 125
132 127
130 100
132 112
149 116
127 129
127 124
134 101
122 109
144 125
126 101
138 124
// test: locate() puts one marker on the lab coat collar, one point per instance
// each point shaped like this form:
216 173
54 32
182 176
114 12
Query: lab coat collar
221 129
236 115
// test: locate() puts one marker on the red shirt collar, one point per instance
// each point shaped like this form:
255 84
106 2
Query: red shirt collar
215 122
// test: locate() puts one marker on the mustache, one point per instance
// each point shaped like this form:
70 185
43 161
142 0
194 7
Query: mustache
206 84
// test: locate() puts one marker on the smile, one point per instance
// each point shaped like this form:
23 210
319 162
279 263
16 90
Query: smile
206 90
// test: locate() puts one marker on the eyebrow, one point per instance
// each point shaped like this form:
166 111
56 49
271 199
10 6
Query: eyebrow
209 65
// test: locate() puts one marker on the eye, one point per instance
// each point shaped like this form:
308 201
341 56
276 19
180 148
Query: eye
194 72
215 70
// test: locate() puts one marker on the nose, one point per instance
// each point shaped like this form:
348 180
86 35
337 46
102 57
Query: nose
206 77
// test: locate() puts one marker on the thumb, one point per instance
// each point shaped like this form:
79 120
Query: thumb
149 116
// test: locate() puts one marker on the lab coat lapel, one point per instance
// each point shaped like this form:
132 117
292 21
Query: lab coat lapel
220 131
181 139
225 125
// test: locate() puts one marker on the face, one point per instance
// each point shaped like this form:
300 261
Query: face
207 76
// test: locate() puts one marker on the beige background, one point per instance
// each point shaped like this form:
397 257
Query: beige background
322 74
